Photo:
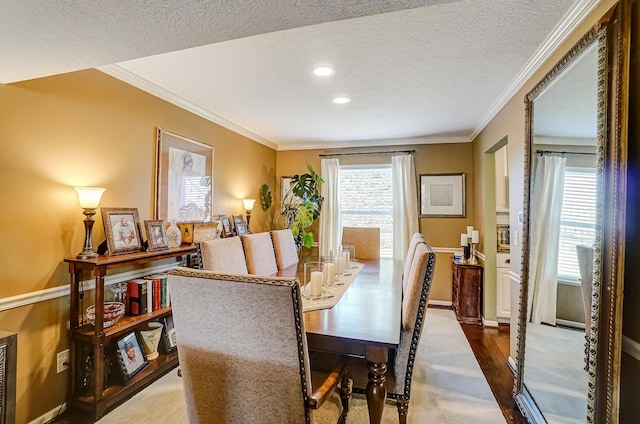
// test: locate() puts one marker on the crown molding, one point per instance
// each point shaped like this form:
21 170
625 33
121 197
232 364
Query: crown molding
570 21
155 90
379 142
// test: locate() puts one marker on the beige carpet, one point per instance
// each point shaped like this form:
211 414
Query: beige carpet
448 387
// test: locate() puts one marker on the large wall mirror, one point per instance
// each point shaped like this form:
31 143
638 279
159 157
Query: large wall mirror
569 324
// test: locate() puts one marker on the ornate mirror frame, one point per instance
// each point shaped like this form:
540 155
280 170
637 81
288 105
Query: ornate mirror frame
611 33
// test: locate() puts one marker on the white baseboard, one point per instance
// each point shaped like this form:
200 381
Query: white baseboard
631 347
48 416
512 364
488 323
446 303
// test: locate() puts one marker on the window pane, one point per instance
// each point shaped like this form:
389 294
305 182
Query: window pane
366 200
577 221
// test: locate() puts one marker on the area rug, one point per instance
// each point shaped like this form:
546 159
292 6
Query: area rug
448 387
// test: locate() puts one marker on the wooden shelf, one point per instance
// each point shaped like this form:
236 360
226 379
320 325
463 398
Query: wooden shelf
90 339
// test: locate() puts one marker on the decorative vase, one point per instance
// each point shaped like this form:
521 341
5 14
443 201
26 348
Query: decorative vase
151 337
174 235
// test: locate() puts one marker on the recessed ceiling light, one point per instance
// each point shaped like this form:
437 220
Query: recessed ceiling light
323 71
341 100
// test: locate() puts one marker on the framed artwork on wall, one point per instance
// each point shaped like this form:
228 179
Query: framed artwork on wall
184 178
442 195
122 230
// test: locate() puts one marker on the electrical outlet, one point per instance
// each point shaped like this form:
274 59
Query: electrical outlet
63 360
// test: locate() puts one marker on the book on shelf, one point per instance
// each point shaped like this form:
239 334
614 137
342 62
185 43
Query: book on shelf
137 297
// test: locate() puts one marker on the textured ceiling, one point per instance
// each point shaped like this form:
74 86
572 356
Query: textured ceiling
417 71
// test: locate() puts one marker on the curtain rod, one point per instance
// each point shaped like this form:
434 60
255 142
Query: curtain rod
388 152
544 152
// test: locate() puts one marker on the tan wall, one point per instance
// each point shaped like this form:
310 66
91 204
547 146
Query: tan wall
510 123
429 159
87 128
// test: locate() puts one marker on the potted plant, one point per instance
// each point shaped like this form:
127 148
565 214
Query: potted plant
302 204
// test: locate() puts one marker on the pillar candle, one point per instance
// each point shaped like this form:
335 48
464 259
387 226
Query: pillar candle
316 283
344 260
469 230
330 269
463 240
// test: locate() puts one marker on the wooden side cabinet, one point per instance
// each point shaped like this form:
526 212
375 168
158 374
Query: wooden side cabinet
466 292
91 388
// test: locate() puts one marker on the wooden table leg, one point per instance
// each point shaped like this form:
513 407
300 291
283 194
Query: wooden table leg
376 392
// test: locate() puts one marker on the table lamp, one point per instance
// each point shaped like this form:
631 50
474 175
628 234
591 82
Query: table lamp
89 199
248 206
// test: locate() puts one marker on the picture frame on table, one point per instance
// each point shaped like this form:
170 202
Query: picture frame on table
184 178
442 195
227 229
156 234
130 356
122 230
241 228
169 340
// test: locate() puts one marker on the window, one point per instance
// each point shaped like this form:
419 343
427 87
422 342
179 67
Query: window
366 200
577 220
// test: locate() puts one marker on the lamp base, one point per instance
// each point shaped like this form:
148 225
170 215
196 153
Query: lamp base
87 255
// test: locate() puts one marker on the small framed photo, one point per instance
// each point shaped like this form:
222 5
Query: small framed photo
227 229
122 230
156 235
442 195
169 340
130 356
238 218
241 228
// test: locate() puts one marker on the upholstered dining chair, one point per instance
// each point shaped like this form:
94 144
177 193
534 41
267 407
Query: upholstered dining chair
365 240
408 260
259 253
243 350
285 248
222 255
414 308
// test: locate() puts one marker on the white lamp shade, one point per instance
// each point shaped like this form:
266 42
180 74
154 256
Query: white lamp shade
469 230
89 197
248 203
464 240
475 236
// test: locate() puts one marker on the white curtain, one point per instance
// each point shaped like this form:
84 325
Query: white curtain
545 209
405 203
330 222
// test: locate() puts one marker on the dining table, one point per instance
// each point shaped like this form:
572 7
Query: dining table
365 322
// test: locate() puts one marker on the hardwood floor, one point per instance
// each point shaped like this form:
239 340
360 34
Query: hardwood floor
490 345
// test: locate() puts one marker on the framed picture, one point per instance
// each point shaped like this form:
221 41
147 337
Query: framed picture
122 230
169 341
156 235
241 228
227 229
130 356
442 195
184 178
237 218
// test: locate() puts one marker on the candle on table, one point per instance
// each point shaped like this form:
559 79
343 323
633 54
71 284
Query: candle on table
316 283
330 268
344 260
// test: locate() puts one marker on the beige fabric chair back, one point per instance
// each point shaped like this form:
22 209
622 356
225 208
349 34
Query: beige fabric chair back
242 347
223 255
365 240
414 308
408 260
259 253
284 247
